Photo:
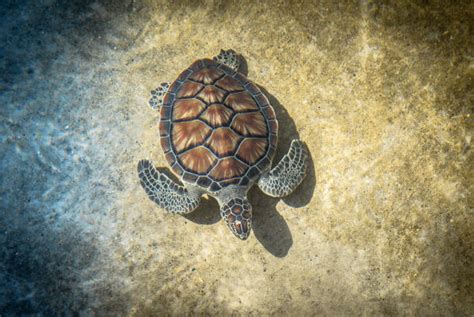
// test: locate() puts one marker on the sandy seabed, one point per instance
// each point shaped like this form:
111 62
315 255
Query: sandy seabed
381 92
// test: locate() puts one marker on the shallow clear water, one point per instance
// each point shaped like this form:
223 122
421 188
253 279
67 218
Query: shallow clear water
380 93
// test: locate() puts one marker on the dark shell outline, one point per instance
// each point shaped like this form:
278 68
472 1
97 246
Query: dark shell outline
264 107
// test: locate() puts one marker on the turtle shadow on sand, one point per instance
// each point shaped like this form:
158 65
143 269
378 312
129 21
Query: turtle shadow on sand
269 227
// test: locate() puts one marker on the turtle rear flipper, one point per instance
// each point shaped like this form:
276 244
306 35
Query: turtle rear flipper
157 95
288 174
167 194
228 58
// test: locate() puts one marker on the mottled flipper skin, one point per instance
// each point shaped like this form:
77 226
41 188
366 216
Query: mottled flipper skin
288 174
157 95
164 192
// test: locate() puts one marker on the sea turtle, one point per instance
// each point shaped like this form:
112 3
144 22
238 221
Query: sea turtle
219 134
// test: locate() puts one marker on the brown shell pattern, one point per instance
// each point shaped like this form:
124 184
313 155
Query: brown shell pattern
216 127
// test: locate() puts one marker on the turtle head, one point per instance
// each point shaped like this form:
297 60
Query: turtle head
237 213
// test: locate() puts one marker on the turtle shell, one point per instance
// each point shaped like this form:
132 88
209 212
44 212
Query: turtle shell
216 127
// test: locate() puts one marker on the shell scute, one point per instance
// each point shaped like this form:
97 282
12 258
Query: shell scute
215 187
165 112
197 65
177 168
240 78
174 87
262 100
165 128
187 109
184 75
206 75
264 163
244 181
190 178
188 134
273 125
252 88
227 168
270 113
230 84
199 160
273 140
250 124
253 172
189 89
208 62
230 182
217 115
211 94
241 101
251 150
204 181
223 141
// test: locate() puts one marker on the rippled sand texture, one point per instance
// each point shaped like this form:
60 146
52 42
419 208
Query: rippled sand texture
382 94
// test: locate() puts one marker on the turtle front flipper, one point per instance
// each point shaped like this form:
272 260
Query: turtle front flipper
157 96
167 194
228 58
288 174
